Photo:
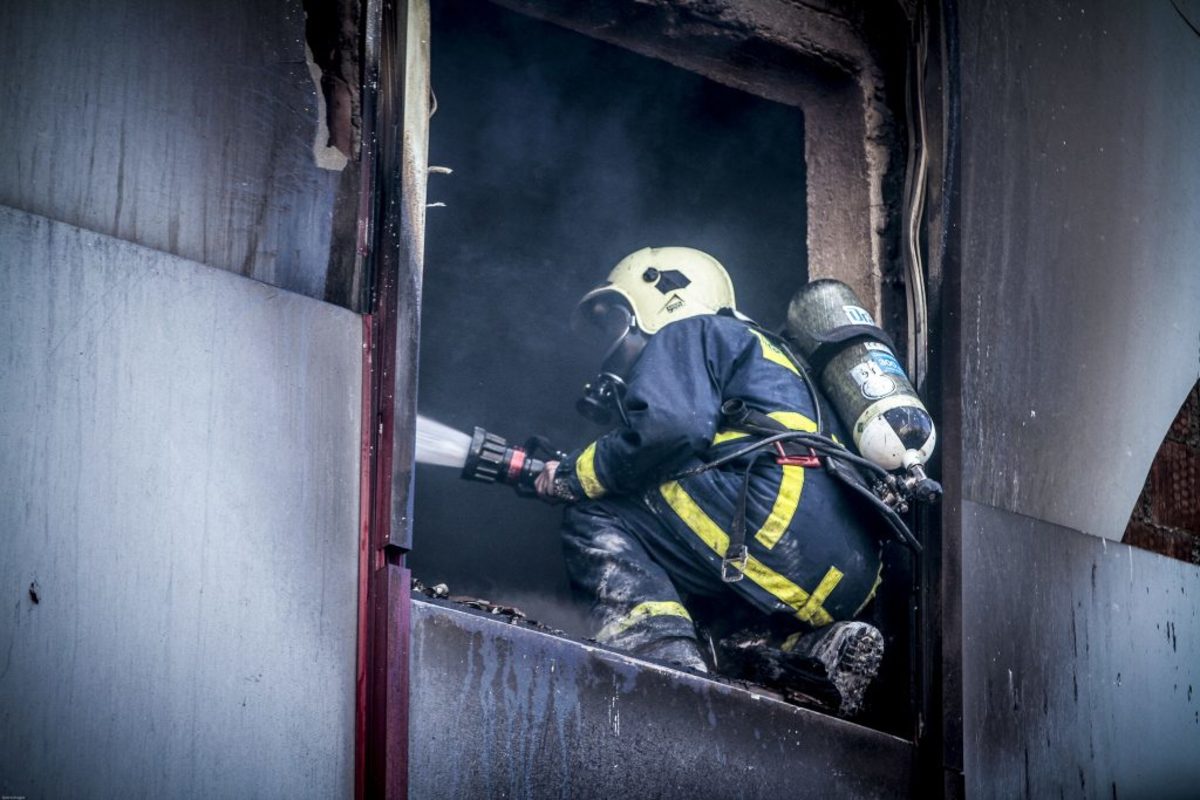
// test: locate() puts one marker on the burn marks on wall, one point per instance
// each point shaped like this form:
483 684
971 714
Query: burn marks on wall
331 31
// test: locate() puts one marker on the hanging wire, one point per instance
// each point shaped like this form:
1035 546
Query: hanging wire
915 185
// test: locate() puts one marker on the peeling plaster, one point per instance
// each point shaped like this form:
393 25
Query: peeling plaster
325 155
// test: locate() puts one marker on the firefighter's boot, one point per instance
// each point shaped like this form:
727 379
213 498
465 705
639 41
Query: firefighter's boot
831 666
677 651
849 652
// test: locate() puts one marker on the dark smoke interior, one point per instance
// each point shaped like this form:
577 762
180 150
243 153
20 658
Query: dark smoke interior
568 154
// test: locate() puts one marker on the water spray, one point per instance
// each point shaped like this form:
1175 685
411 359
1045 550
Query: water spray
440 444
483 456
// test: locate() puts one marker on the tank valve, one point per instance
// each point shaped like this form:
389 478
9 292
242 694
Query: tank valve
921 487
899 492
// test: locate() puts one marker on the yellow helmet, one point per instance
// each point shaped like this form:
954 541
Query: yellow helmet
665 284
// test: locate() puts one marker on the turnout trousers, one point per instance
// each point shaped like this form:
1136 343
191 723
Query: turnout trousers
637 576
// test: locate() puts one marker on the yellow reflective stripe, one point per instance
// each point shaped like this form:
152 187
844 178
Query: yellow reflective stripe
711 534
816 601
786 503
791 484
874 588
585 470
792 420
772 353
651 608
832 578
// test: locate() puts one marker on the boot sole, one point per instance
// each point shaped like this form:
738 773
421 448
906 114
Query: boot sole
855 668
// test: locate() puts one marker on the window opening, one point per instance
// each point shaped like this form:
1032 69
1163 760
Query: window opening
567 154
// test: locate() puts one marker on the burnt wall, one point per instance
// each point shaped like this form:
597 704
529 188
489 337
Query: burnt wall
1081 663
839 62
179 451
1073 338
189 127
1080 195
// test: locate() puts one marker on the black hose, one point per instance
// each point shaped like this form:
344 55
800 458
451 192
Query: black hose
895 522
833 454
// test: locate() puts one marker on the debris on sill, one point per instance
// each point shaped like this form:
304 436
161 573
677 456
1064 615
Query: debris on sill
514 615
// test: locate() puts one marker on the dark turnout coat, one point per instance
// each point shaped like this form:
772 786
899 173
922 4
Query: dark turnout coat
814 552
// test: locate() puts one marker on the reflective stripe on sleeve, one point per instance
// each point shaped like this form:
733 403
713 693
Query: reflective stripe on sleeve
651 608
585 470
717 540
772 353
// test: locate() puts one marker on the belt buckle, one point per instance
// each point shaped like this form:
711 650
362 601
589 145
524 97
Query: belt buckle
733 566
810 461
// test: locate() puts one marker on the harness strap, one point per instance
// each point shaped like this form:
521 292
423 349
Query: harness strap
733 563
738 415
836 340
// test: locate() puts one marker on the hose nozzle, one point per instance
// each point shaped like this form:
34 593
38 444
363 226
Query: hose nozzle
491 459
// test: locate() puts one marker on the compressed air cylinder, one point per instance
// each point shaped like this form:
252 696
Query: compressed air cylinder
860 375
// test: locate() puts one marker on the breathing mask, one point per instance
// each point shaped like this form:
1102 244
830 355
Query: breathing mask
607 323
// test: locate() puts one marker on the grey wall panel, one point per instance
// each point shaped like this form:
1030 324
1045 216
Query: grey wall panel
179 463
184 126
1081 664
504 711
1080 240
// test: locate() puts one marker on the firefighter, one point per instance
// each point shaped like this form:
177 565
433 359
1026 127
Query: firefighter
650 533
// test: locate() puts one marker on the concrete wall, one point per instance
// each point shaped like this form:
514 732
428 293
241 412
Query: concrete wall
179 456
1076 325
1081 662
1080 276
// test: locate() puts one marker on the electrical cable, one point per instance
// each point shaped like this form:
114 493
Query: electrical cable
916 178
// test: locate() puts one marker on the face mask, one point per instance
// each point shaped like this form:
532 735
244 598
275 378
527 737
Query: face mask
610 327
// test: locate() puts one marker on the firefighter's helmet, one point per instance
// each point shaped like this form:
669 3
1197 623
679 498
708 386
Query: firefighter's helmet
659 285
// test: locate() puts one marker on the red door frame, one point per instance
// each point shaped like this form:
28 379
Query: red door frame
391 221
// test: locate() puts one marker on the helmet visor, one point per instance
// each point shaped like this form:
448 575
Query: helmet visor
603 321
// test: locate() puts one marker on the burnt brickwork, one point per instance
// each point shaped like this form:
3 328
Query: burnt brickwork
1166 518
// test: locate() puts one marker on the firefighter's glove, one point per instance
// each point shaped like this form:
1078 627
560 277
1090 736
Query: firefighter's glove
551 488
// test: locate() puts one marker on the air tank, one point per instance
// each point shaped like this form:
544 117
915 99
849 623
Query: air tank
855 366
